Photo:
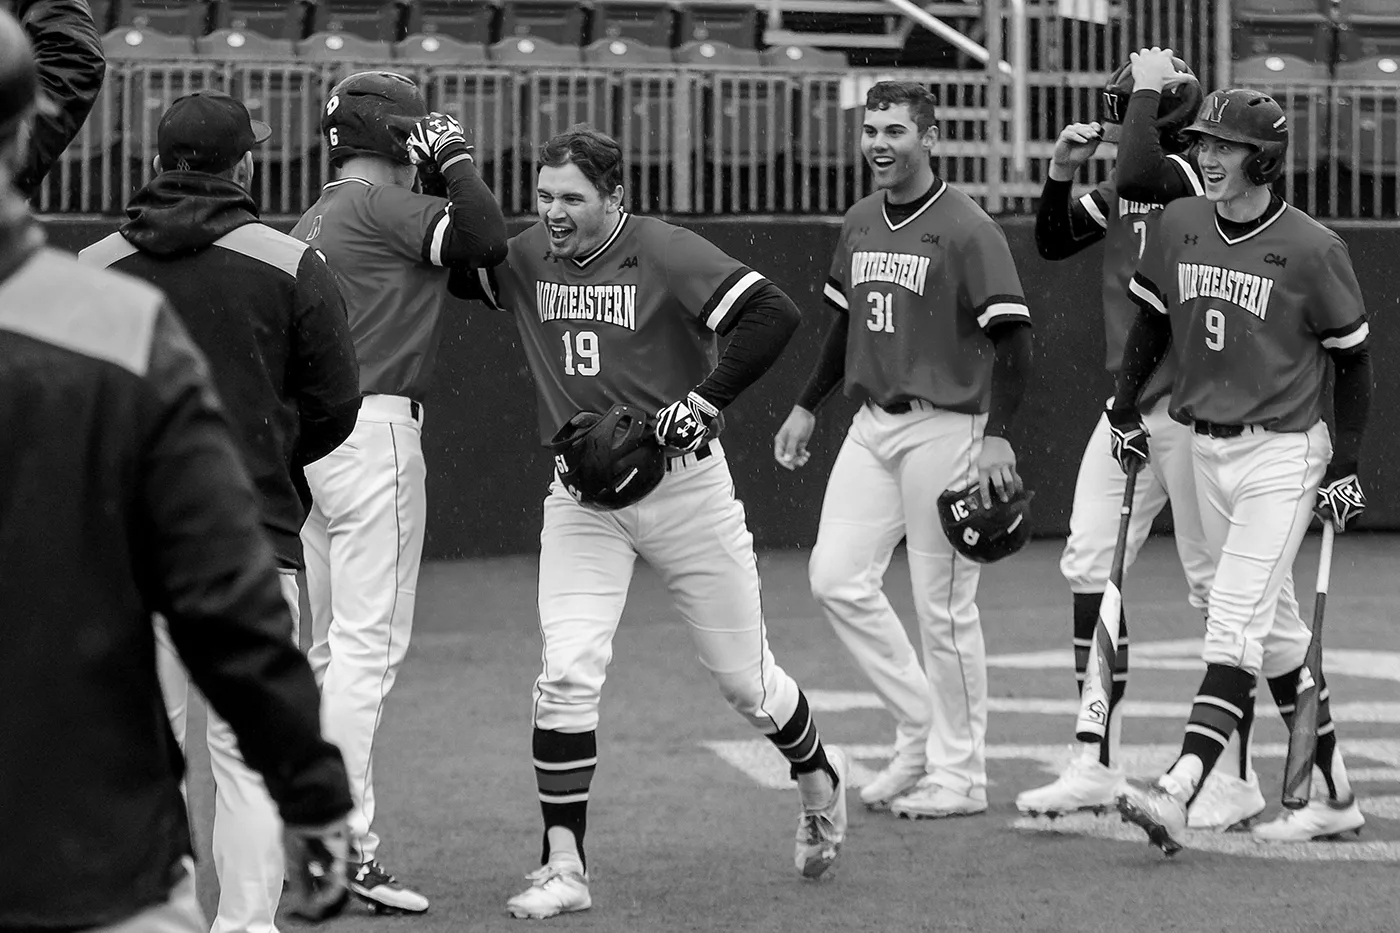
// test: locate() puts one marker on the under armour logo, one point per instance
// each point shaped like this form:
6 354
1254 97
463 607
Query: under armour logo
1191 239
1274 259
437 125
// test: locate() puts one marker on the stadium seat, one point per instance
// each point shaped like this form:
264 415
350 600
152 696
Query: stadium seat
473 95
558 21
276 19
1355 44
1368 115
1294 11
342 47
624 52
173 19
463 20
803 58
733 23
244 45
133 43
430 49
650 22
532 50
1369 12
1310 42
704 52
377 20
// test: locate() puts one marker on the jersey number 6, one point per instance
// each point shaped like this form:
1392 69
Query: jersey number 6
584 345
881 312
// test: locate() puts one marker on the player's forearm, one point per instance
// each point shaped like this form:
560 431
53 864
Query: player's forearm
761 331
1057 235
1143 172
1148 341
71 68
476 235
830 370
1011 369
1351 407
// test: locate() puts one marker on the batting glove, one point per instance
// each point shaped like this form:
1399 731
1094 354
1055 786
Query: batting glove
1340 500
316 877
1127 438
439 139
684 425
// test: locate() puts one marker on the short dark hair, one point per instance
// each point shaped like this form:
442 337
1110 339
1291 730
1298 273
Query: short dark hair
597 155
922 103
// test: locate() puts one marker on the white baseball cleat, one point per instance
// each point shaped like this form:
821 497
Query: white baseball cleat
382 892
931 801
897 779
1160 809
1320 819
1225 802
821 830
1085 784
556 888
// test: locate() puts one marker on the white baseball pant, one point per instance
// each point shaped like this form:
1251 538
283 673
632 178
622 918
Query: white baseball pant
885 486
364 545
692 530
248 857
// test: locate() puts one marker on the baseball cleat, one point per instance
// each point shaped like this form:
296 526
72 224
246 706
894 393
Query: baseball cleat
1085 784
556 888
1320 819
1226 803
897 779
931 801
821 830
382 891
1158 810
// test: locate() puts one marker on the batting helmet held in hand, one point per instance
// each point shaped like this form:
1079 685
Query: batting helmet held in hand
985 534
1175 109
372 113
1250 117
608 461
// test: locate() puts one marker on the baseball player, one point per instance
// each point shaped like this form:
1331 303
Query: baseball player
267 314
391 248
1145 108
1256 297
933 333
615 308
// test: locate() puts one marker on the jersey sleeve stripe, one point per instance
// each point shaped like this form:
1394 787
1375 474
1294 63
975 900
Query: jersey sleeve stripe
731 300
1344 338
998 311
437 235
1192 178
835 296
1095 208
488 289
1146 294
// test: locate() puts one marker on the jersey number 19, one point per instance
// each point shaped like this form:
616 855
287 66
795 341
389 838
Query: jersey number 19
584 346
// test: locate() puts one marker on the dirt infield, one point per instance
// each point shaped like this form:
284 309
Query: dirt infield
692 817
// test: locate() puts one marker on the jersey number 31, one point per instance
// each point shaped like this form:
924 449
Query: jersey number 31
881 312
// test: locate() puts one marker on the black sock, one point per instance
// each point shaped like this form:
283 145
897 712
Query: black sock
564 766
1086 619
1219 707
1246 728
800 744
1285 691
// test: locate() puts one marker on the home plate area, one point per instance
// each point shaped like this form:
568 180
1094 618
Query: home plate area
1373 761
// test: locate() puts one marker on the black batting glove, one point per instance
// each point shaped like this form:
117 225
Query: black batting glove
1340 499
1127 438
685 425
439 139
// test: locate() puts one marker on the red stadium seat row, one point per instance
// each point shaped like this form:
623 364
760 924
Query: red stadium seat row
660 23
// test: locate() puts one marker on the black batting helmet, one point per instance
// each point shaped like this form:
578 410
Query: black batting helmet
1250 117
608 461
372 113
985 534
1176 108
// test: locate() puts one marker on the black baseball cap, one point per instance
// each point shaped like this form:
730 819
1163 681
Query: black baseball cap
207 131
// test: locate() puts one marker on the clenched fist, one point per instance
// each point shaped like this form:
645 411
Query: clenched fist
439 139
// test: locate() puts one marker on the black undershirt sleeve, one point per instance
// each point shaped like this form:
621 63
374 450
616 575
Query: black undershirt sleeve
1351 407
1148 341
1143 172
762 328
1059 234
830 370
1010 371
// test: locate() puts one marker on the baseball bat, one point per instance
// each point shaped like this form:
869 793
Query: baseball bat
1302 737
1091 725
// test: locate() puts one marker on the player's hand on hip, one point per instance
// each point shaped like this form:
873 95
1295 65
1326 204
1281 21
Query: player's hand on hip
1127 439
316 882
1340 499
790 443
437 138
996 470
1153 69
685 425
1076 144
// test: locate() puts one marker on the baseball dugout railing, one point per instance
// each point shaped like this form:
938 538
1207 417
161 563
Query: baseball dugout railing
714 141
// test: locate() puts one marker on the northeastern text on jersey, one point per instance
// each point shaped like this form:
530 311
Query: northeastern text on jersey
606 304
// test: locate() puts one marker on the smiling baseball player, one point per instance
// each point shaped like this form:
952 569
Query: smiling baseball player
1256 297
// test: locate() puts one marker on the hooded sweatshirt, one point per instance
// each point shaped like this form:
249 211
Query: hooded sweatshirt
267 313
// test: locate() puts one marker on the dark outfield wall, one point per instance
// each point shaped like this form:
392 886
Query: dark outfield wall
487 475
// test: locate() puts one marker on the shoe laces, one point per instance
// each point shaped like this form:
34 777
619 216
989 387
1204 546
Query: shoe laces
549 871
813 827
372 869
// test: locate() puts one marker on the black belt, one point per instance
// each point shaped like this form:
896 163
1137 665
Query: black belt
895 408
703 452
1211 429
413 409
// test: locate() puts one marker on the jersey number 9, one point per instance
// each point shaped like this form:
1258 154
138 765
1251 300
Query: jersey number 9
584 346
1215 328
881 312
